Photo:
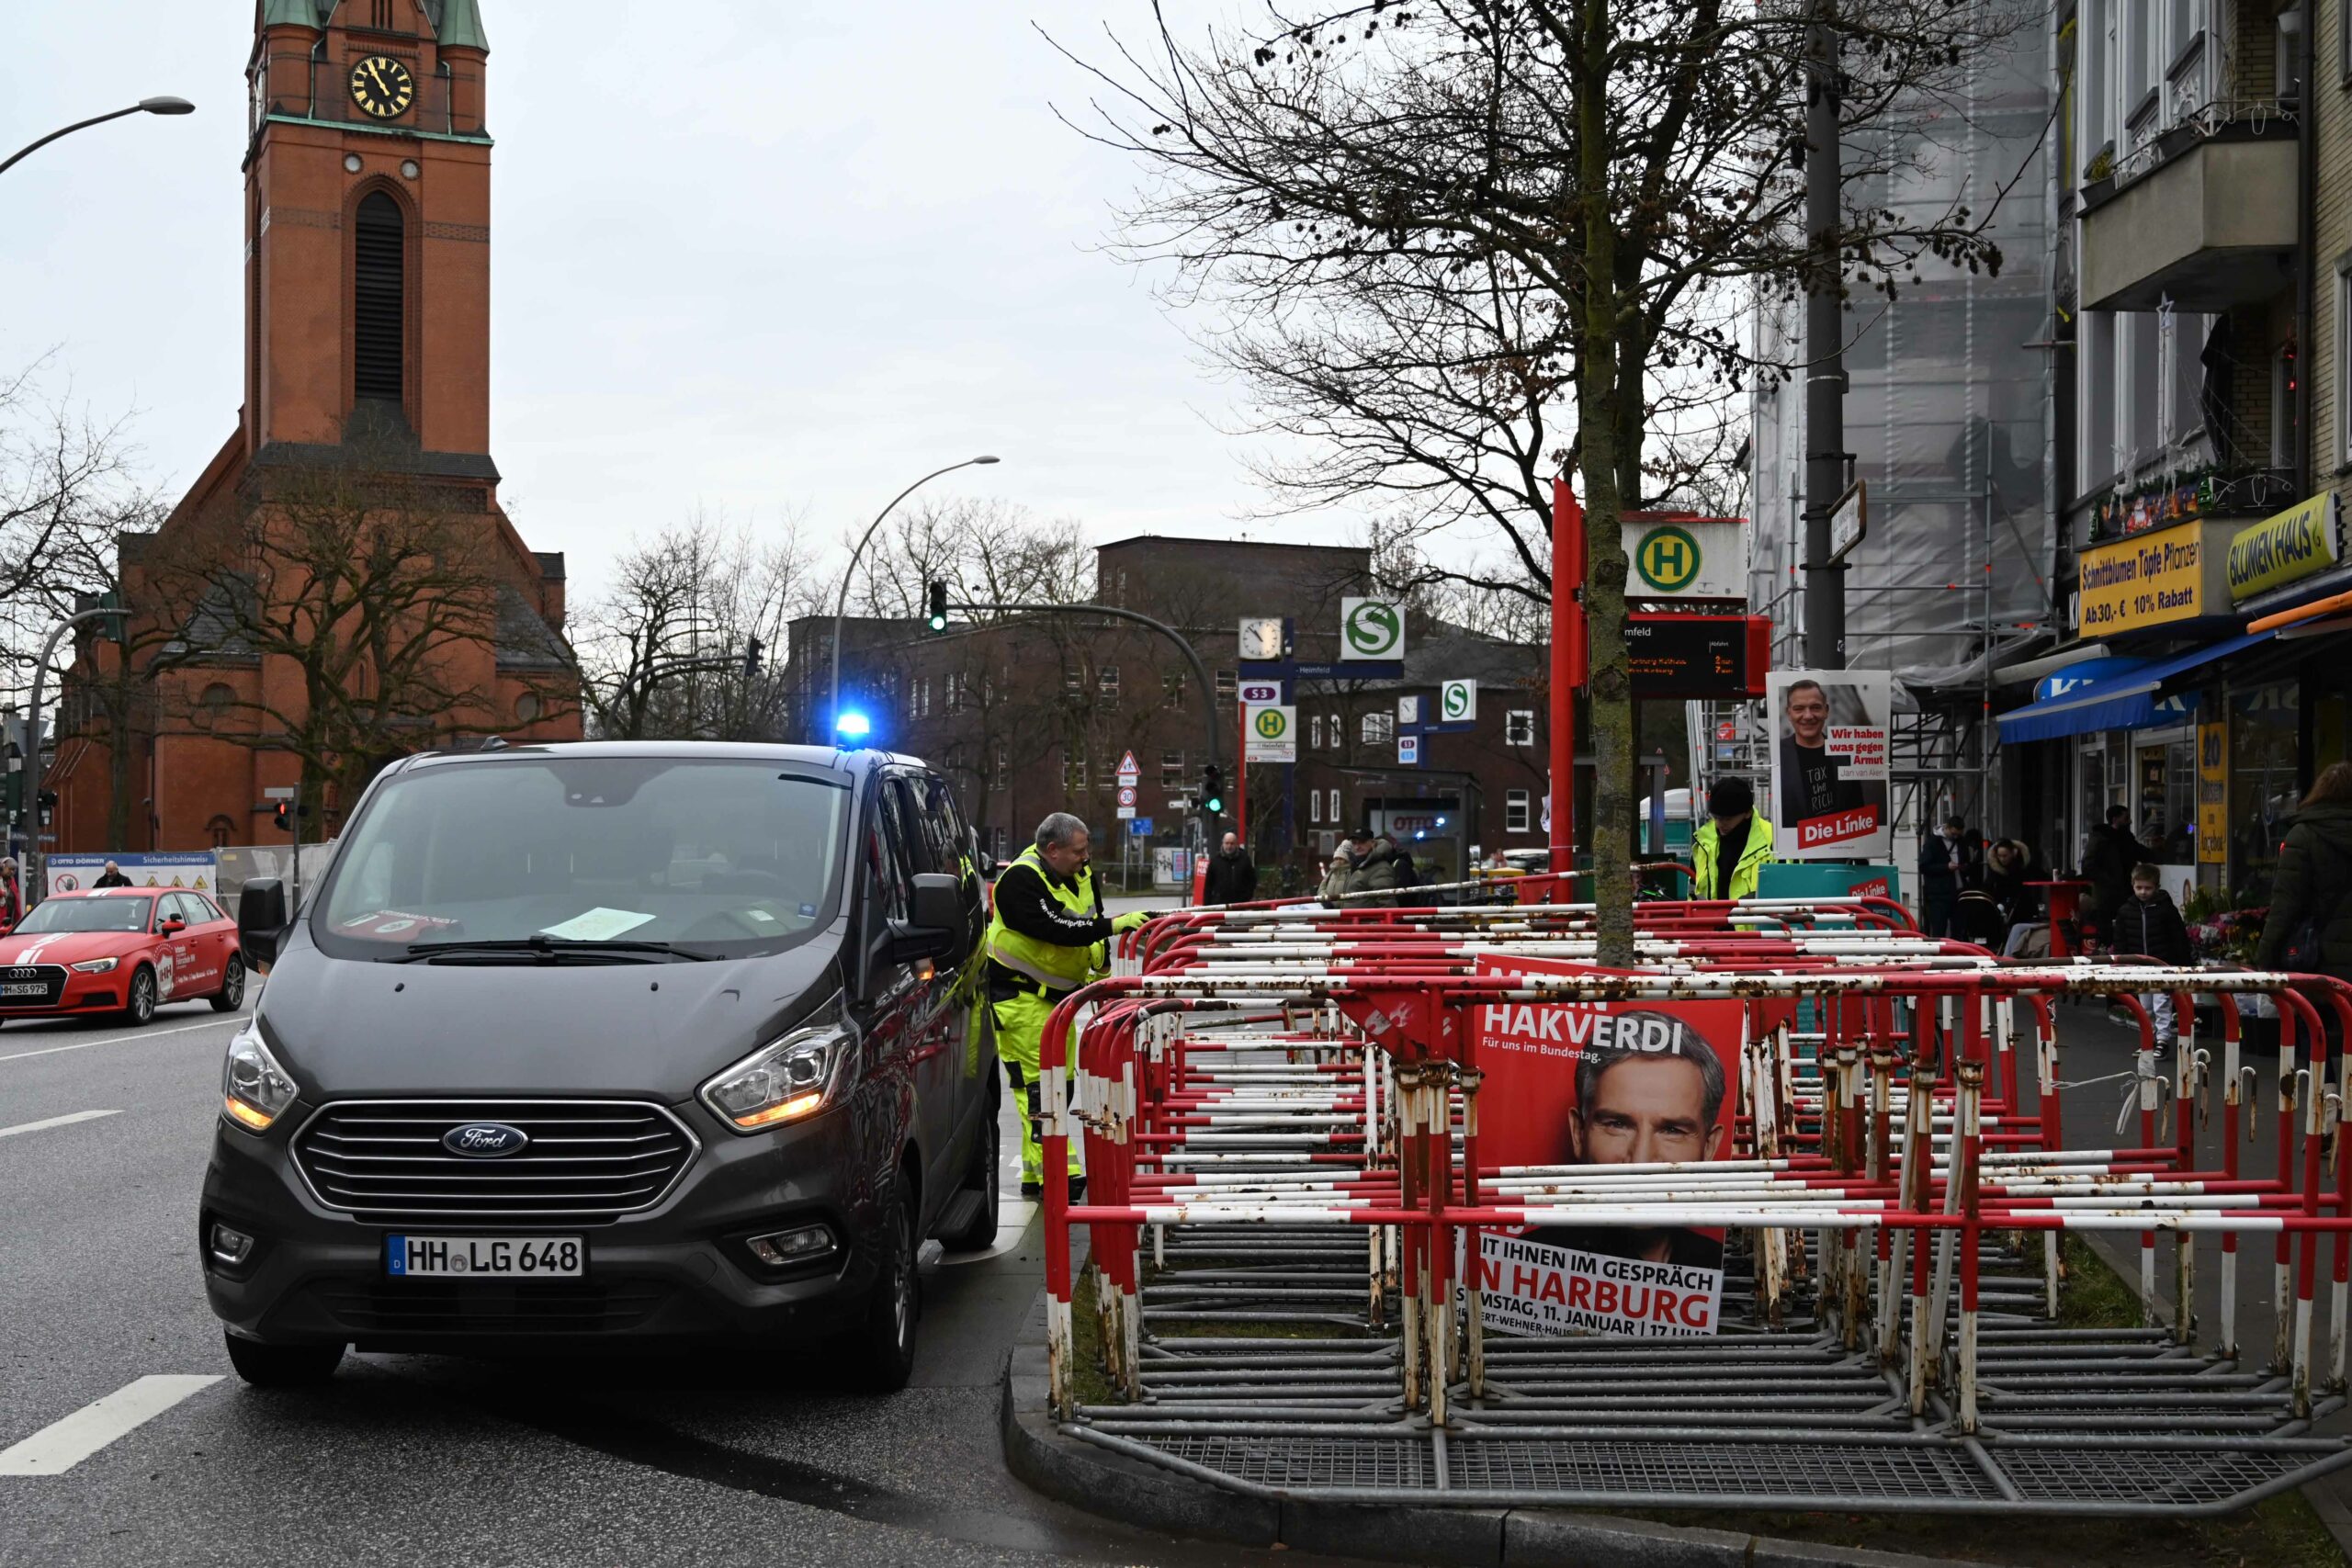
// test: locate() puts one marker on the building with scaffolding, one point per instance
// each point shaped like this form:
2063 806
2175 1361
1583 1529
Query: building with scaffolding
1950 423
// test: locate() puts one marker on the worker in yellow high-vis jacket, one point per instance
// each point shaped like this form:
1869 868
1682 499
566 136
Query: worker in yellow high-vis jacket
1048 937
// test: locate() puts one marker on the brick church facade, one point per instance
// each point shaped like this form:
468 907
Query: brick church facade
367 384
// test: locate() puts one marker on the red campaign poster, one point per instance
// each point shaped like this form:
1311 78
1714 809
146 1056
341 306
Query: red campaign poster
1607 1083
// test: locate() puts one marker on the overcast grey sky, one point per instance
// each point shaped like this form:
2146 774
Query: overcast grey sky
757 256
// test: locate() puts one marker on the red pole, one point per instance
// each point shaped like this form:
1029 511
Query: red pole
1241 779
1567 665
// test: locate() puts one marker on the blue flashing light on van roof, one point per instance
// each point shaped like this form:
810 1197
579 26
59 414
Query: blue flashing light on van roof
853 726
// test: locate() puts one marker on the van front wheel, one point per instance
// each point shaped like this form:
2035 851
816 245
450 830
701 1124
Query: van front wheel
882 1352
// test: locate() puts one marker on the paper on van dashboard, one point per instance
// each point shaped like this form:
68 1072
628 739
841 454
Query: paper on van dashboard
598 924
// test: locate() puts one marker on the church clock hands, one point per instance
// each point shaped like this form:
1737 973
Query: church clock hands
383 86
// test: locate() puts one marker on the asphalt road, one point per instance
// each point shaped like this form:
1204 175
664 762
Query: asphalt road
732 1458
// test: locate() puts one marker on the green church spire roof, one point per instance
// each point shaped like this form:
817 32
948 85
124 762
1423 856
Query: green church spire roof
457 24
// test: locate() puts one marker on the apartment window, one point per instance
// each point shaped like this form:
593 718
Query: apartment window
955 690
1172 770
2344 347
2141 386
1315 807
2282 408
1228 685
1335 805
1315 720
2096 350
1003 766
1106 684
1073 774
1337 732
1073 680
1379 728
1171 691
1517 810
1518 727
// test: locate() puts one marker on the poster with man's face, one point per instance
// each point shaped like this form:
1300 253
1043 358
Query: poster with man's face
1829 765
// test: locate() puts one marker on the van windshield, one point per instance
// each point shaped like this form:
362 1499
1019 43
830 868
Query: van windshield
730 857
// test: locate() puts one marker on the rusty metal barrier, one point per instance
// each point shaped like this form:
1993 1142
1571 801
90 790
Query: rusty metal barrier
1280 1115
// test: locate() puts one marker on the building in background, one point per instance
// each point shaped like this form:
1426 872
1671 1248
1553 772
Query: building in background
1950 421
366 389
2204 196
1034 713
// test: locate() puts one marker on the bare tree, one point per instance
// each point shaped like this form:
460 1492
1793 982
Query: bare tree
986 551
666 653
379 589
1467 244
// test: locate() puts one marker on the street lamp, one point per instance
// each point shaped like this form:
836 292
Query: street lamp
841 607
145 106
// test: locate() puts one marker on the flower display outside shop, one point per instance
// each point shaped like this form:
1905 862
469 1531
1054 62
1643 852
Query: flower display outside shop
2219 930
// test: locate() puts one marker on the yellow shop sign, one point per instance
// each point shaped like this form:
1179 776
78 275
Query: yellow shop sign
2297 543
2166 574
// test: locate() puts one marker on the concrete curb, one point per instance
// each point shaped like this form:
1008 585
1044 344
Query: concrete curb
1150 1497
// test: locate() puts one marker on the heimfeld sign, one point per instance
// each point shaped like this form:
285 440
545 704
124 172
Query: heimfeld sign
1371 629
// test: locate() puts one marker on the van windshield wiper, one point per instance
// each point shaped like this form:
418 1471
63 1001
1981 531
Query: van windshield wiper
547 949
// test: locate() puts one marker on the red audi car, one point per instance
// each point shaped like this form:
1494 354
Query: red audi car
120 950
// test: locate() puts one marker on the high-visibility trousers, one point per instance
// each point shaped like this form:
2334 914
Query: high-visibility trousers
1019 1036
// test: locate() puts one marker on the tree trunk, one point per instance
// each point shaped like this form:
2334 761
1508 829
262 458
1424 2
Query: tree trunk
1599 393
119 755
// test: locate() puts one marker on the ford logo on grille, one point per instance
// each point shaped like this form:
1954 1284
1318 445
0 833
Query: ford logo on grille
484 1140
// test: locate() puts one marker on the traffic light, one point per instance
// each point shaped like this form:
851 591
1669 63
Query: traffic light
1212 789
752 657
937 618
47 804
281 816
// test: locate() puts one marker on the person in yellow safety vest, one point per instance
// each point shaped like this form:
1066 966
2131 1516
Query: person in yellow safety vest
1048 937
1729 851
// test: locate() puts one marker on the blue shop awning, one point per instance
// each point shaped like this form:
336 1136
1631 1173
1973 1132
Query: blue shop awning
2111 698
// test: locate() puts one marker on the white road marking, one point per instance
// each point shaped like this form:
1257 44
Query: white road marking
55 1121
221 1023
59 1447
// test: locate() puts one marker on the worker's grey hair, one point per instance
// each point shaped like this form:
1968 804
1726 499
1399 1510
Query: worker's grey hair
1059 828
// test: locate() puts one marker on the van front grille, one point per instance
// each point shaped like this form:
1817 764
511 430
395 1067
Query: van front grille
586 1161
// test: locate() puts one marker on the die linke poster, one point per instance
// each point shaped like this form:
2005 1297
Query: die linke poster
1829 765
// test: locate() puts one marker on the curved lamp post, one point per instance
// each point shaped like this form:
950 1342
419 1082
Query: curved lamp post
841 607
145 106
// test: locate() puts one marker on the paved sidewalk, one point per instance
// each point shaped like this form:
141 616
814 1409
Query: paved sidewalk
2090 1047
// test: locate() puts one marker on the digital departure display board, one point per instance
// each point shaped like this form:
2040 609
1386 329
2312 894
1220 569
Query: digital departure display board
1698 655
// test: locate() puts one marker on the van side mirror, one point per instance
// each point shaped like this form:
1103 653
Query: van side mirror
935 918
261 919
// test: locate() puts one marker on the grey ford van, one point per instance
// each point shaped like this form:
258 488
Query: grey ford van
582 1043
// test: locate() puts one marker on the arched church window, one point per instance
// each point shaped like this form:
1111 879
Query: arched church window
378 298
216 701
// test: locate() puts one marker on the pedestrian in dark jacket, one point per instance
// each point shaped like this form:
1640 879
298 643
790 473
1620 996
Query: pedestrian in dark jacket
2108 860
2010 876
1233 875
2313 882
2148 924
1374 870
1939 863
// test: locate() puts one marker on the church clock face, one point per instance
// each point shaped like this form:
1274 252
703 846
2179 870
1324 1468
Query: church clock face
383 86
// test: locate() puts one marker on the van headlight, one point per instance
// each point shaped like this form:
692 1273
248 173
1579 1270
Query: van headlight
786 1080
255 1090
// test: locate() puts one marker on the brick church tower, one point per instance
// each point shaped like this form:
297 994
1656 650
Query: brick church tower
364 430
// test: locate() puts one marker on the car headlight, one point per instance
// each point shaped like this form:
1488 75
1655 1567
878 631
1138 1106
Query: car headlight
255 1089
786 1080
96 966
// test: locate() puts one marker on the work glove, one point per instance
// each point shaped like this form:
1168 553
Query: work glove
1133 920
